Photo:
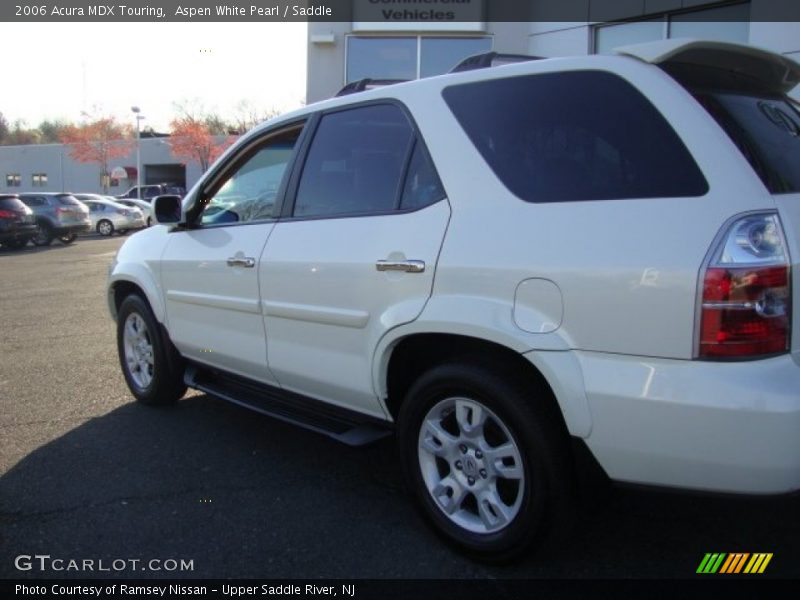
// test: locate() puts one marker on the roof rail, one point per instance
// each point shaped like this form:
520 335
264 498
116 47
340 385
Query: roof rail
490 59
366 84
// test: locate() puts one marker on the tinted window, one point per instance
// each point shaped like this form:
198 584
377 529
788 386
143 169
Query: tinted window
34 201
355 163
68 201
766 129
585 135
422 186
249 194
12 204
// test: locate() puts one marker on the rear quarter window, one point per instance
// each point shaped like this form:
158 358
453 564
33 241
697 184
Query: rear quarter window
573 136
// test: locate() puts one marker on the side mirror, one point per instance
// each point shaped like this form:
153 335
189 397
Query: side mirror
167 209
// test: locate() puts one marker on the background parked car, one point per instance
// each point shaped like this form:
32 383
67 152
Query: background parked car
58 215
17 223
148 192
108 216
143 205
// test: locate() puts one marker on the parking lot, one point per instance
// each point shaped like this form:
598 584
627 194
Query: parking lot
87 474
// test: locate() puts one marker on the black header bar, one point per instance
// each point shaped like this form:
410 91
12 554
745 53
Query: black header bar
425 12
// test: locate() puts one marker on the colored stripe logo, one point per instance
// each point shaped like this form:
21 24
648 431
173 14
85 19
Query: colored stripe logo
734 563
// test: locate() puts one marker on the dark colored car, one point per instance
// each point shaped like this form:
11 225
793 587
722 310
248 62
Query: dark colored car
148 192
17 223
58 215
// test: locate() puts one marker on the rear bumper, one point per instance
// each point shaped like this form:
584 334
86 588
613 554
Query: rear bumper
17 232
723 427
72 228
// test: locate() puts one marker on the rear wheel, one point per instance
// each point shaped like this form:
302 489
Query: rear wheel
68 238
486 460
105 227
152 367
44 235
149 221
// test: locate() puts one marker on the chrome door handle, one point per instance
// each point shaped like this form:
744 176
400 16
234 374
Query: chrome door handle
242 261
407 266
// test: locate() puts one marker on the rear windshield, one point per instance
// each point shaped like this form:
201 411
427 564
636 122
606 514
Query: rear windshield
578 135
765 128
12 204
68 201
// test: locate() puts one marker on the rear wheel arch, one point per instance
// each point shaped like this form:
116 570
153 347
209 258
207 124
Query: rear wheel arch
416 354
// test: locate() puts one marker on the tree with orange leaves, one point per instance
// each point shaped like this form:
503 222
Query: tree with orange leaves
191 141
99 141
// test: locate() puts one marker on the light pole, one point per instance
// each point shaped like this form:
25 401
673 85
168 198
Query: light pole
136 110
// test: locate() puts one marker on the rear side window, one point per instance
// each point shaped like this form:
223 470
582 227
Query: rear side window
356 162
422 186
766 129
11 204
578 135
68 201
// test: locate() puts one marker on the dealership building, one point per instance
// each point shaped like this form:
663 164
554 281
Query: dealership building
50 168
387 39
377 47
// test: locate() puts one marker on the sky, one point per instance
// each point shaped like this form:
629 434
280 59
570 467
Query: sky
63 70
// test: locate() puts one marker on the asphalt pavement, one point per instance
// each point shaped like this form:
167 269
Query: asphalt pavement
87 474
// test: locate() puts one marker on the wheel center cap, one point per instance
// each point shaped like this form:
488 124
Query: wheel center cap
470 466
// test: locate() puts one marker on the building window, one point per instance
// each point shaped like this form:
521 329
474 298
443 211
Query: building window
725 24
39 179
13 180
408 57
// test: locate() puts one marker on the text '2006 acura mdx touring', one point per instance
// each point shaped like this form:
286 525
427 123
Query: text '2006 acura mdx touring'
502 266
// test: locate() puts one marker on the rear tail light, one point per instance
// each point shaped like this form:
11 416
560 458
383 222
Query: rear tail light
123 211
7 214
745 301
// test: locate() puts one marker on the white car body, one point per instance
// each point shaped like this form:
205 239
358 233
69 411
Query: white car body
600 297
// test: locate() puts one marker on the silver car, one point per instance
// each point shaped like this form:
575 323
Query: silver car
108 216
143 205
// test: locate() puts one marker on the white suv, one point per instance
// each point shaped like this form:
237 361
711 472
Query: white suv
501 266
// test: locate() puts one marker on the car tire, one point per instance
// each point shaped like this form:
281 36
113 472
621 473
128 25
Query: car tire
105 228
67 239
152 367
44 236
149 221
487 461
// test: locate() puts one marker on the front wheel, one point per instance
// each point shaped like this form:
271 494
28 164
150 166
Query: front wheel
487 461
152 367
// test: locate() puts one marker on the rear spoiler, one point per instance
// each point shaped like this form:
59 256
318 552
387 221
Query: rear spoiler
773 72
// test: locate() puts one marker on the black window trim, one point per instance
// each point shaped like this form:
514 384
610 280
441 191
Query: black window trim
287 210
216 178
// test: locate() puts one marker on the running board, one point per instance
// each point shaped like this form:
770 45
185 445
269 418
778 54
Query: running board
343 425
